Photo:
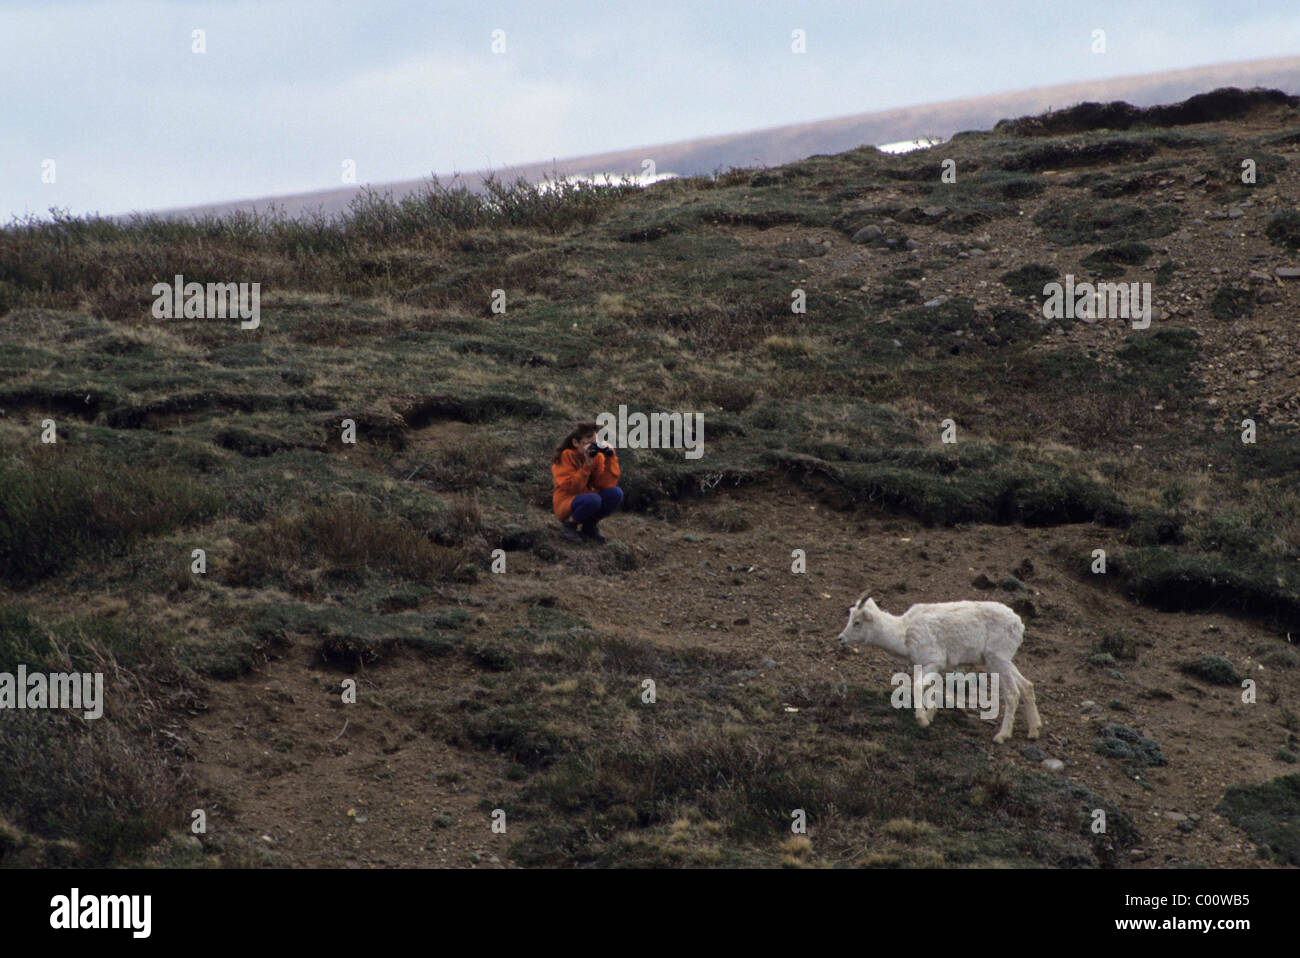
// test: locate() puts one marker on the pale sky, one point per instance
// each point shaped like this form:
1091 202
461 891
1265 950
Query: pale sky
112 93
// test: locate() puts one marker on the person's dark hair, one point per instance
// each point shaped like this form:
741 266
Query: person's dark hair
580 430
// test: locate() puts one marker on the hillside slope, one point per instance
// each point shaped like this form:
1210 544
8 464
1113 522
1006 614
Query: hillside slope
522 690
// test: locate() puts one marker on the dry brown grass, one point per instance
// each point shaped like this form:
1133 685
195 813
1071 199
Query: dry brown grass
346 538
467 463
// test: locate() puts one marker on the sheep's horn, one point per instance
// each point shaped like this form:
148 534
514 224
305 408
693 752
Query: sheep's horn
862 598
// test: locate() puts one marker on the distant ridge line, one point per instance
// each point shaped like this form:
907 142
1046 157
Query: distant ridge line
774 146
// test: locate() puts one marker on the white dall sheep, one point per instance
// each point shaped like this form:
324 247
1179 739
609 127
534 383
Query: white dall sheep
946 635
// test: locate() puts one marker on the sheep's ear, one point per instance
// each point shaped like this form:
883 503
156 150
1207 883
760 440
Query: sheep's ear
870 604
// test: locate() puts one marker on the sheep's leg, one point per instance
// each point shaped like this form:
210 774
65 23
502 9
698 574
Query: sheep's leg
1031 706
1010 697
917 706
924 716
933 669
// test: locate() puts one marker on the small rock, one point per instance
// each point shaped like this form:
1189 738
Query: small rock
868 234
1176 816
1088 705
982 581
1287 272
937 301
912 244
494 860
1024 570
1235 213
1033 753
1053 764
768 663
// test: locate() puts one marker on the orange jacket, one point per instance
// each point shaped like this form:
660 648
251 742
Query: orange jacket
572 478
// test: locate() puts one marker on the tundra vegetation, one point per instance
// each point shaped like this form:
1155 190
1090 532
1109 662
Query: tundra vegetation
190 434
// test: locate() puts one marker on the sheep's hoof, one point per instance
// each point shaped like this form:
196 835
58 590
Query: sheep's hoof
1034 733
922 721
999 738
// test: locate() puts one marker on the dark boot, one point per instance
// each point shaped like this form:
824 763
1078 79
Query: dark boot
590 531
569 530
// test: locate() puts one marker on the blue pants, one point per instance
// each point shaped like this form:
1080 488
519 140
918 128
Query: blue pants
590 507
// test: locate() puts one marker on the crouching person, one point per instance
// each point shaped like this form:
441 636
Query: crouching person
586 483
